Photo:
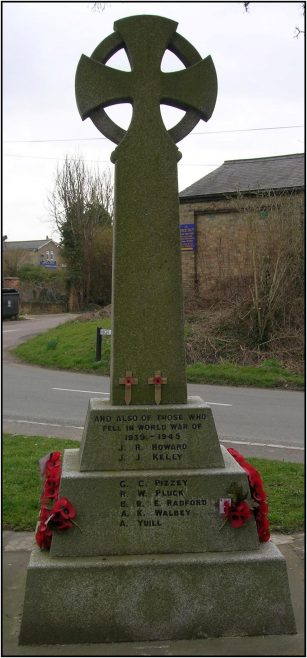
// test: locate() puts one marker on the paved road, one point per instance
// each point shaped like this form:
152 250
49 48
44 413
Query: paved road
258 422
15 332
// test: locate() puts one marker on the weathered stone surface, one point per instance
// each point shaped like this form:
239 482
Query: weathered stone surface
149 437
128 512
156 597
151 558
147 321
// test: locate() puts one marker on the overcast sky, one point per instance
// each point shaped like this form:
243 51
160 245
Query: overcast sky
260 74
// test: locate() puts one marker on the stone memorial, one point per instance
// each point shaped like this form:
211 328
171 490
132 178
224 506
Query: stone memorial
151 558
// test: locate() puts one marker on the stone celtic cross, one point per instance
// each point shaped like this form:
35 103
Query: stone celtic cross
147 307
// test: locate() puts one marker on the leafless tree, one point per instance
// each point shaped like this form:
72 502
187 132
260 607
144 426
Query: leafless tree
81 207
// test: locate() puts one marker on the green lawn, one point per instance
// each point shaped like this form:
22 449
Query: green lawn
283 483
72 346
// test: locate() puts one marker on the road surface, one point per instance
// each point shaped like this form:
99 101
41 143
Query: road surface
257 422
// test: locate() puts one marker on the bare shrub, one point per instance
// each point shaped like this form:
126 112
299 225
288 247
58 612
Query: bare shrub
258 313
273 301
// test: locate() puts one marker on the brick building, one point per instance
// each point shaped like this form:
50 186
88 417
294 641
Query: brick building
44 294
44 252
225 212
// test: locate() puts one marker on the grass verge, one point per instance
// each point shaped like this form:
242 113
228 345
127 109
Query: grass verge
72 346
269 374
283 484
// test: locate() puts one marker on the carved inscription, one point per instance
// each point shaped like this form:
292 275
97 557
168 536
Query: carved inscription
152 503
159 438
123 504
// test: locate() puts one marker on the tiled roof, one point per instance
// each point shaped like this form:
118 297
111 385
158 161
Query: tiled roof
273 173
31 245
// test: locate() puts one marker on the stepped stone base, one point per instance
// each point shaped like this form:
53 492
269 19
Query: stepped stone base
152 559
156 597
139 512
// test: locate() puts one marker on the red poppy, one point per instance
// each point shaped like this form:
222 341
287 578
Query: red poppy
236 455
51 464
262 519
43 536
52 470
51 488
253 475
55 457
244 510
59 523
237 515
258 494
263 508
235 520
44 514
64 508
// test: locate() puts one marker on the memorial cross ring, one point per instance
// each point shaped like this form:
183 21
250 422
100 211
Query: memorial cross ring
99 86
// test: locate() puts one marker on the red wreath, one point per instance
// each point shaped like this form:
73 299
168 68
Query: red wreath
260 506
55 513
237 513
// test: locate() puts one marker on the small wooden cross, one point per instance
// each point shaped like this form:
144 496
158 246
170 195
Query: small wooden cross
128 382
157 380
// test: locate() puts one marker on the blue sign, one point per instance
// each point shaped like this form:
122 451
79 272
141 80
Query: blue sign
49 263
187 237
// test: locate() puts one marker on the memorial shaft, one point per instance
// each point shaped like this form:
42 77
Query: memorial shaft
147 327
147 301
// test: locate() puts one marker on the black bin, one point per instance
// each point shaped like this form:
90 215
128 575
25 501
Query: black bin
10 302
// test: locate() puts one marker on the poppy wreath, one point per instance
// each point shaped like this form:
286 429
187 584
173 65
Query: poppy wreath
55 513
237 515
